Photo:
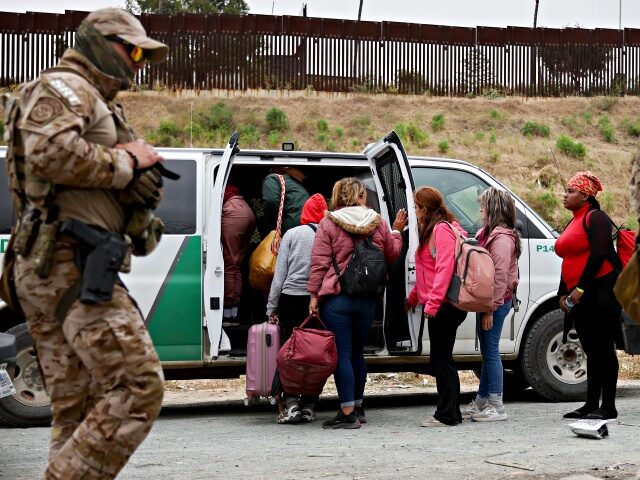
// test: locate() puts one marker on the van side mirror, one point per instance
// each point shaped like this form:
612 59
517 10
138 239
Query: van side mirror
519 226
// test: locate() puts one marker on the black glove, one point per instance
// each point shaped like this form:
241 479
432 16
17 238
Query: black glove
144 190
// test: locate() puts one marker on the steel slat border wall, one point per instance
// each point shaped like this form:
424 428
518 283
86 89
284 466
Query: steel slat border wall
283 52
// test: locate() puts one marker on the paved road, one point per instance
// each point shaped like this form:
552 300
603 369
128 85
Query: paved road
226 441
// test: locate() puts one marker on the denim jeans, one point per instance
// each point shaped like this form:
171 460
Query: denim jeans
491 375
350 318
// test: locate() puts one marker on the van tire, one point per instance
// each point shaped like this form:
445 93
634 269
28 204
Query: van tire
30 405
554 370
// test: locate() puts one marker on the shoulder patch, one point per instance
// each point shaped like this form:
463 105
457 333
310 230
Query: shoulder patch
67 92
45 109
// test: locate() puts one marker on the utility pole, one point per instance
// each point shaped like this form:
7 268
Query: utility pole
357 46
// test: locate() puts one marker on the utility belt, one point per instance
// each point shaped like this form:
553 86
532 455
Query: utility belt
98 254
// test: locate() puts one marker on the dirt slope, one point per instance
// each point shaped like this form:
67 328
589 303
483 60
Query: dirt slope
483 131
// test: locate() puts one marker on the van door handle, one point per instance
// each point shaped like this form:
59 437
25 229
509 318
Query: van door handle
218 272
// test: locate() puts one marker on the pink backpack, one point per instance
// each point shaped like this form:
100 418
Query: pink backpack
471 287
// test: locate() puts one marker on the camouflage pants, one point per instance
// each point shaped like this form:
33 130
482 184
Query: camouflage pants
100 370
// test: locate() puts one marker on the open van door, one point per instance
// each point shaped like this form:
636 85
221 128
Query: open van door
216 174
394 183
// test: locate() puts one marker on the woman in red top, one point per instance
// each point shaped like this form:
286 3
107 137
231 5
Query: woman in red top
435 264
589 272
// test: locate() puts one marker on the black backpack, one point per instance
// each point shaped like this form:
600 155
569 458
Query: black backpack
366 272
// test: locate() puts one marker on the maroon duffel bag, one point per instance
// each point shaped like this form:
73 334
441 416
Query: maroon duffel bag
307 359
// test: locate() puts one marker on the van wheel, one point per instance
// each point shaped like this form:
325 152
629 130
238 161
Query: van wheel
555 370
30 405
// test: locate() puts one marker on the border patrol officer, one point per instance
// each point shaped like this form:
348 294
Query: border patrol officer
84 188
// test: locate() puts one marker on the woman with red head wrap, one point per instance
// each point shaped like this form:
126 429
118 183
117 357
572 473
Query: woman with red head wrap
589 271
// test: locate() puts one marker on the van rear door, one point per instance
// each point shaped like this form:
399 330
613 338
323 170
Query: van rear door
216 174
394 182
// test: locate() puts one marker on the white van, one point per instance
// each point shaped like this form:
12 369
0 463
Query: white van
179 287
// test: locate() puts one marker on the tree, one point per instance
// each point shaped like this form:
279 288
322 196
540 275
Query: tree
581 65
173 7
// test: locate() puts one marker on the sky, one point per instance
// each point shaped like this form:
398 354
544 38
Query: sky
468 13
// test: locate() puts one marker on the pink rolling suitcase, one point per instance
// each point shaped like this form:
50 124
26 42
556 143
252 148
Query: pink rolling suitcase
263 344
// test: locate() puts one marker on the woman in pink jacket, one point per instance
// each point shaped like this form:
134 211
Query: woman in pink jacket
348 317
500 237
435 264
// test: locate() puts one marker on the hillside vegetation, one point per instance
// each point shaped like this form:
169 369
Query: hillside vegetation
531 145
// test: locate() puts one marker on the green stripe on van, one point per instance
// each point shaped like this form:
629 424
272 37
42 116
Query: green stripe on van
176 315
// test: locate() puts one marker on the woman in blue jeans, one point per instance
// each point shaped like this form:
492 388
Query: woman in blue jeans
500 237
349 317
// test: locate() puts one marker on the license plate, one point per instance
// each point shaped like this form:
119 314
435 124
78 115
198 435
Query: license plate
6 386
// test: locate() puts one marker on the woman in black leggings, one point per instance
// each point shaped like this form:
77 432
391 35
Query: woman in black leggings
590 268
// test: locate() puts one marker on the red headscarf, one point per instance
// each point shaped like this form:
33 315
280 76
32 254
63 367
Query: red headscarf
313 210
585 182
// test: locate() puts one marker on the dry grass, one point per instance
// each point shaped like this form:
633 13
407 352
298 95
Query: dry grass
486 132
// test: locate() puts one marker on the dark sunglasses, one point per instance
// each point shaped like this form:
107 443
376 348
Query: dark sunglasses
136 54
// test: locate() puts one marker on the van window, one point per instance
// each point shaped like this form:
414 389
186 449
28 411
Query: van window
178 207
6 203
460 190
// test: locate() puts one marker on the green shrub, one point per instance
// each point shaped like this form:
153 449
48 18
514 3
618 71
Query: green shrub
492 137
443 146
587 117
339 132
605 103
437 122
570 148
249 135
361 121
543 201
534 128
168 134
496 114
274 138
322 137
355 142
606 129
411 132
479 135
277 120
322 125
218 117
331 146
571 122
607 202
632 128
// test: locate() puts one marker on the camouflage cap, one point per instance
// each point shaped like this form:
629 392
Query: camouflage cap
114 21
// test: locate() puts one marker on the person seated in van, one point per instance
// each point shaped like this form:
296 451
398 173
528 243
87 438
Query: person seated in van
435 265
348 317
295 196
500 238
289 299
237 226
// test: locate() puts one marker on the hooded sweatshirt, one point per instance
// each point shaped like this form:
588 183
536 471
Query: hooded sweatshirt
501 243
336 236
294 256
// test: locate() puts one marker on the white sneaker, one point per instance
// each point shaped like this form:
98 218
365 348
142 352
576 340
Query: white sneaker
490 414
473 409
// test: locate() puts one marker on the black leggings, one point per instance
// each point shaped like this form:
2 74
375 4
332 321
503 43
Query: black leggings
597 322
442 336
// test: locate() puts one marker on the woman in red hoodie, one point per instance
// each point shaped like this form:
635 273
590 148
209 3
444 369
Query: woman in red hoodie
435 264
589 271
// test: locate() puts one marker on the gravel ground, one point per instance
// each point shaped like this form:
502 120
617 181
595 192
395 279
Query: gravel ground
202 437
